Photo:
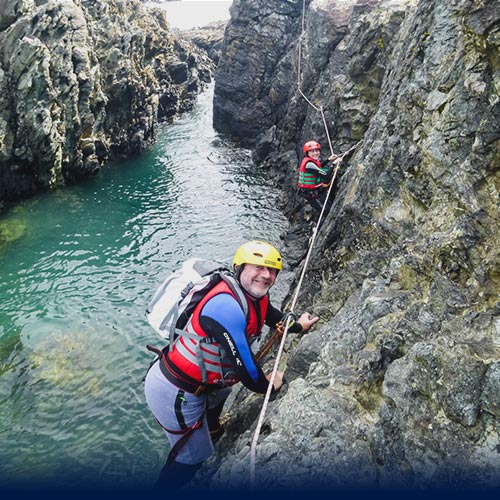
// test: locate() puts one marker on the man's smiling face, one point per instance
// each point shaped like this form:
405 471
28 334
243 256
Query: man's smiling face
257 280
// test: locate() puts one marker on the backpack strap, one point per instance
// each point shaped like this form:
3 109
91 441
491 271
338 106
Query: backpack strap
238 292
231 283
174 313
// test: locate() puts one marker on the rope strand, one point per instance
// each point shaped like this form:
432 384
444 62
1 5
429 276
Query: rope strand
253 448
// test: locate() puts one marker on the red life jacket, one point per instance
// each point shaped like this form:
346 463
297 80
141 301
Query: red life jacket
201 360
309 180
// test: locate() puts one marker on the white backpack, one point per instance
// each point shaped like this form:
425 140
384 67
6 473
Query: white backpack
174 301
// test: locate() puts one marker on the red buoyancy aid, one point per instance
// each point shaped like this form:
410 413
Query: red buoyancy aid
309 180
186 351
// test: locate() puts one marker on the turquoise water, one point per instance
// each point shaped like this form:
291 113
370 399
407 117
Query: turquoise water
77 268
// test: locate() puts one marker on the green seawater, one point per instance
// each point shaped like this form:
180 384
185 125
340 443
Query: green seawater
77 269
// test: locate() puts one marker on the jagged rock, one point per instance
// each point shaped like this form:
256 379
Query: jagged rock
85 81
210 38
179 71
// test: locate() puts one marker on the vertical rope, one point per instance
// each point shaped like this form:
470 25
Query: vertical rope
253 447
299 66
260 422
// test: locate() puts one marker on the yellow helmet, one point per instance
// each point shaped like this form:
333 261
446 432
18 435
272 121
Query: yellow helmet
258 253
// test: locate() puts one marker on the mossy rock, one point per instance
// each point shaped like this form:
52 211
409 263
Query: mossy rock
10 231
63 361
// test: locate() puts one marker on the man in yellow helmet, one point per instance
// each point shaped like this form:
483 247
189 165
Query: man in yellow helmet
187 386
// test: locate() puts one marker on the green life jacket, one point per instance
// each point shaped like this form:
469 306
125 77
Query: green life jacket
308 180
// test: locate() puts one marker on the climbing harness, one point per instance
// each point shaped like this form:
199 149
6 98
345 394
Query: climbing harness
181 442
290 317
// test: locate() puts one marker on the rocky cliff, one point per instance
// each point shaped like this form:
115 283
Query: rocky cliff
399 385
84 81
209 38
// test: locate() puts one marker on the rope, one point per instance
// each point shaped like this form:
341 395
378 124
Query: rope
289 320
260 422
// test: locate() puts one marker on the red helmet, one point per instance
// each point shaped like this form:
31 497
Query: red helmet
310 145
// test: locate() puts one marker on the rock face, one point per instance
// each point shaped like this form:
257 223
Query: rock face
84 81
399 384
210 38
252 81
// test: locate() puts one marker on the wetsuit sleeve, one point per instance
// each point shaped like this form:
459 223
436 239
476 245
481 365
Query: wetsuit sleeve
325 175
223 319
274 315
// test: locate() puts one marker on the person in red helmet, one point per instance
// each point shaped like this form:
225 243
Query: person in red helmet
315 176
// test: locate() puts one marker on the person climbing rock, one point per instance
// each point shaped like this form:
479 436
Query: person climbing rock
315 177
186 387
